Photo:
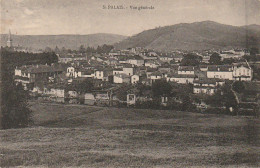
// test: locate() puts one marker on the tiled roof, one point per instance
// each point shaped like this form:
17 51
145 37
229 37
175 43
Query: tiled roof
223 68
182 76
207 81
42 68
186 68
122 76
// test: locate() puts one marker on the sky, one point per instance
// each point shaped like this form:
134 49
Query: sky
42 17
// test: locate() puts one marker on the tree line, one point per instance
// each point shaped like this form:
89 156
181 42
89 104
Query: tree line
104 49
15 112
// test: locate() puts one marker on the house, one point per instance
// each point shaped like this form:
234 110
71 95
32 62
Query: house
126 69
72 94
242 72
131 99
236 54
137 60
89 99
186 70
70 71
165 59
149 72
134 79
64 59
99 74
151 63
206 85
36 73
84 73
112 61
117 71
57 91
67 58
203 68
204 90
181 78
178 58
156 76
104 74
121 78
220 72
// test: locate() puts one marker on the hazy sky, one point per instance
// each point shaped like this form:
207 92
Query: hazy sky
34 17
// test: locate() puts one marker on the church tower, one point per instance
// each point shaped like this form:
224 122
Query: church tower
9 41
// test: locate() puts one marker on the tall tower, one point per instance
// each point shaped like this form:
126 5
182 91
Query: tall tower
9 41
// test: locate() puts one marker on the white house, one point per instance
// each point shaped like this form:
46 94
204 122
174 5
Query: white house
99 74
220 72
128 71
89 99
117 71
88 74
54 92
134 79
207 85
181 78
136 60
125 70
204 90
70 71
121 78
186 70
242 72
151 63
166 59
72 94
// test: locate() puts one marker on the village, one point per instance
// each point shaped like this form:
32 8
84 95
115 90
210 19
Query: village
110 77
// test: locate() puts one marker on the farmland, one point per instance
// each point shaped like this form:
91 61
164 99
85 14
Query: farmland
88 136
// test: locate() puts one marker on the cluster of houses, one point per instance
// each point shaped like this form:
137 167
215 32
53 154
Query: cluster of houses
127 66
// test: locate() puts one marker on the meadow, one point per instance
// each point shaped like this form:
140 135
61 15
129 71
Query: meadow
89 136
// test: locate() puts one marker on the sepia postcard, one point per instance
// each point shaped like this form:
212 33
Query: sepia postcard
130 83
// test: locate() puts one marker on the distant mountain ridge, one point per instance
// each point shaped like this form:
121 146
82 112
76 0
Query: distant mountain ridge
195 36
67 41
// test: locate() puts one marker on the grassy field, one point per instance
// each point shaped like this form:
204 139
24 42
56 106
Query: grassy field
85 136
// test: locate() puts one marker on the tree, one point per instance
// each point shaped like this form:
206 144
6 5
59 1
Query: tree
82 87
223 97
82 49
14 107
191 60
215 59
64 50
48 49
238 86
57 50
254 51
99 50
161 88
228 61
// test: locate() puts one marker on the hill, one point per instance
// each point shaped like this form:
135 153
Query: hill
67 41
195 36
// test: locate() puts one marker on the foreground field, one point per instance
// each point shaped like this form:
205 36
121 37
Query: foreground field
83 136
